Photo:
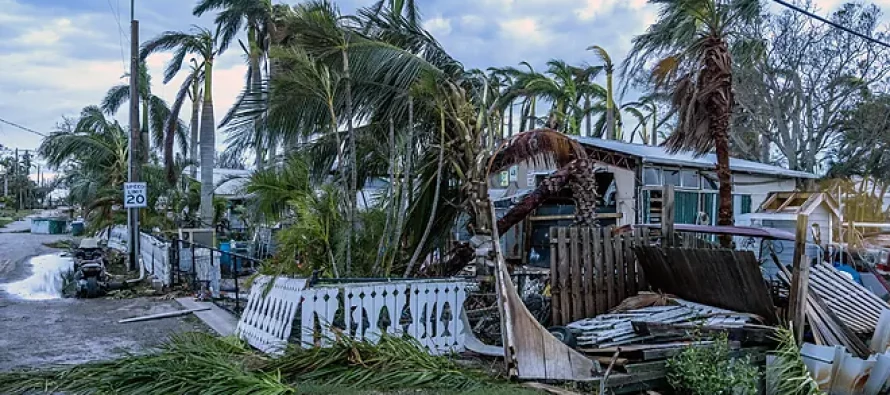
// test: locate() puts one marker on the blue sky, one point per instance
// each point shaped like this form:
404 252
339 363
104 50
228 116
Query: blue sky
57 56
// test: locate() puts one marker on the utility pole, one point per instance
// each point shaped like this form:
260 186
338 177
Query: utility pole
18 200
134 141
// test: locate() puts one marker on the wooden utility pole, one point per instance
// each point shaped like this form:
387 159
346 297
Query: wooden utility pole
135 144
667 215
800 278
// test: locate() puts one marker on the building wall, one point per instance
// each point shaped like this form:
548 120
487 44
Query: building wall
759 186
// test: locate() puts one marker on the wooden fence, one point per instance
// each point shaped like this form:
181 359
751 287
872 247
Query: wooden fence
592 271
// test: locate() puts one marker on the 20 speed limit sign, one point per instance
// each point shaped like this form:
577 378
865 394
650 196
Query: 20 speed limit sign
135 195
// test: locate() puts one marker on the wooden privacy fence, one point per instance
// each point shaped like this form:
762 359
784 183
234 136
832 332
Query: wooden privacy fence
592 271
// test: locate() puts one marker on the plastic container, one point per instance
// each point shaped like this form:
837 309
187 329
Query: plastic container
77 228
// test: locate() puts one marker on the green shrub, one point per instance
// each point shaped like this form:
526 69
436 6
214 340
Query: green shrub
712 370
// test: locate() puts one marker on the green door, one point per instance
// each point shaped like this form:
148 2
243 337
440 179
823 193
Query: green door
685 207
709 207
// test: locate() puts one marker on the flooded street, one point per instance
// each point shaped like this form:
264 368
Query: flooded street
41 329
45 281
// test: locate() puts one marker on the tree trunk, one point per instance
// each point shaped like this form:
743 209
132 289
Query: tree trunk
256 84
353 174
764 148
588 126
532 114
432 218
384 239
654 136
717 74
610 108
193 128
145 147
510 121
406 187
208 148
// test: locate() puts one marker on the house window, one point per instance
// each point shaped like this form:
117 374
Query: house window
671 177
745 204
690 179
651 176
709 182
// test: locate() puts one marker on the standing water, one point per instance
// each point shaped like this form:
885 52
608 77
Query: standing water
45 281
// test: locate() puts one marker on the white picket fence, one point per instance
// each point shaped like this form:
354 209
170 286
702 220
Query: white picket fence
155 253
430 311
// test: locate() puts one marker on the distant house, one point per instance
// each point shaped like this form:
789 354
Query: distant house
630 179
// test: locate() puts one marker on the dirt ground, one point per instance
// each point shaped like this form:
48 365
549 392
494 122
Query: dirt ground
35 334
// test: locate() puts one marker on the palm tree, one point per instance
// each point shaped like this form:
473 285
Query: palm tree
256 17
154 113
689 42
609 68
202 44
95 153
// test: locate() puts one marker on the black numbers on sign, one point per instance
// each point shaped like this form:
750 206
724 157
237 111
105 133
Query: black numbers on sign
135 199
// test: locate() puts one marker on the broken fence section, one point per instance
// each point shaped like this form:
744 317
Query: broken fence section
428 310
592 270
720 278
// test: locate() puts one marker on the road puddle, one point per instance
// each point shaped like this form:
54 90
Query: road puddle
45 281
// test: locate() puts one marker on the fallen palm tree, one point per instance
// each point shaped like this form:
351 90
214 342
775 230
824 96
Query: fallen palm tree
197 363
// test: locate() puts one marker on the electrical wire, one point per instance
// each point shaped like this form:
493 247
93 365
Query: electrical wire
120 38
833 24
22 127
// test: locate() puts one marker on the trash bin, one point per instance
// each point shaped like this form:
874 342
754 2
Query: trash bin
77 228
225 260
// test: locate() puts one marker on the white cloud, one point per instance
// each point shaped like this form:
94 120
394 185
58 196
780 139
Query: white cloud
596 8
44 33
438 26
525 30
472 22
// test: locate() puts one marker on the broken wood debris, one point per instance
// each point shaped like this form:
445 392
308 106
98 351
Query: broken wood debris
616 329
720 278
168 314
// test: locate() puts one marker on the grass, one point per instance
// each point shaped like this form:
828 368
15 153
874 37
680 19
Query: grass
197 363
61 244
5 221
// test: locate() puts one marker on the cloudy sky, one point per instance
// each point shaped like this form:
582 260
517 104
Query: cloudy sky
57 56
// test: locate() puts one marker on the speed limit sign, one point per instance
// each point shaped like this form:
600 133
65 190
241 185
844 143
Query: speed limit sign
135 195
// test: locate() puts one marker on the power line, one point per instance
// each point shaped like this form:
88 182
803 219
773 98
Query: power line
120 37
834 24
22 127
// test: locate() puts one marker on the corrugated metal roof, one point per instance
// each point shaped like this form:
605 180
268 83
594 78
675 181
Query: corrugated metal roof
658 155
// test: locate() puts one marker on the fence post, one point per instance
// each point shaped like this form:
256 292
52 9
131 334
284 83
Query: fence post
235 277
194 268
800 273
667 215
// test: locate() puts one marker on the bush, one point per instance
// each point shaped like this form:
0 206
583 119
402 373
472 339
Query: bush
712 371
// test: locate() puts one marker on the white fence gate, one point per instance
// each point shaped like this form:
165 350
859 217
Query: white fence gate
430 311
153 251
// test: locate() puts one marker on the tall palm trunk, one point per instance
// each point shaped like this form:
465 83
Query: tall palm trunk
193 127
384 239
353 174
533 116
717 74
208 149
255 87
587 115
610 108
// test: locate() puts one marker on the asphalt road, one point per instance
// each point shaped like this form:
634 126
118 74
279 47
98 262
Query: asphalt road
45 333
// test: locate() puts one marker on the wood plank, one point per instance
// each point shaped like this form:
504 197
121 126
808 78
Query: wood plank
799 277
640 240
630 265
527 345
589 274
565 308
555 294
599 277
575 276
667 216
609 272
621 263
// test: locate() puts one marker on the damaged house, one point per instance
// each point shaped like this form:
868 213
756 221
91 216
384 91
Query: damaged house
630 179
